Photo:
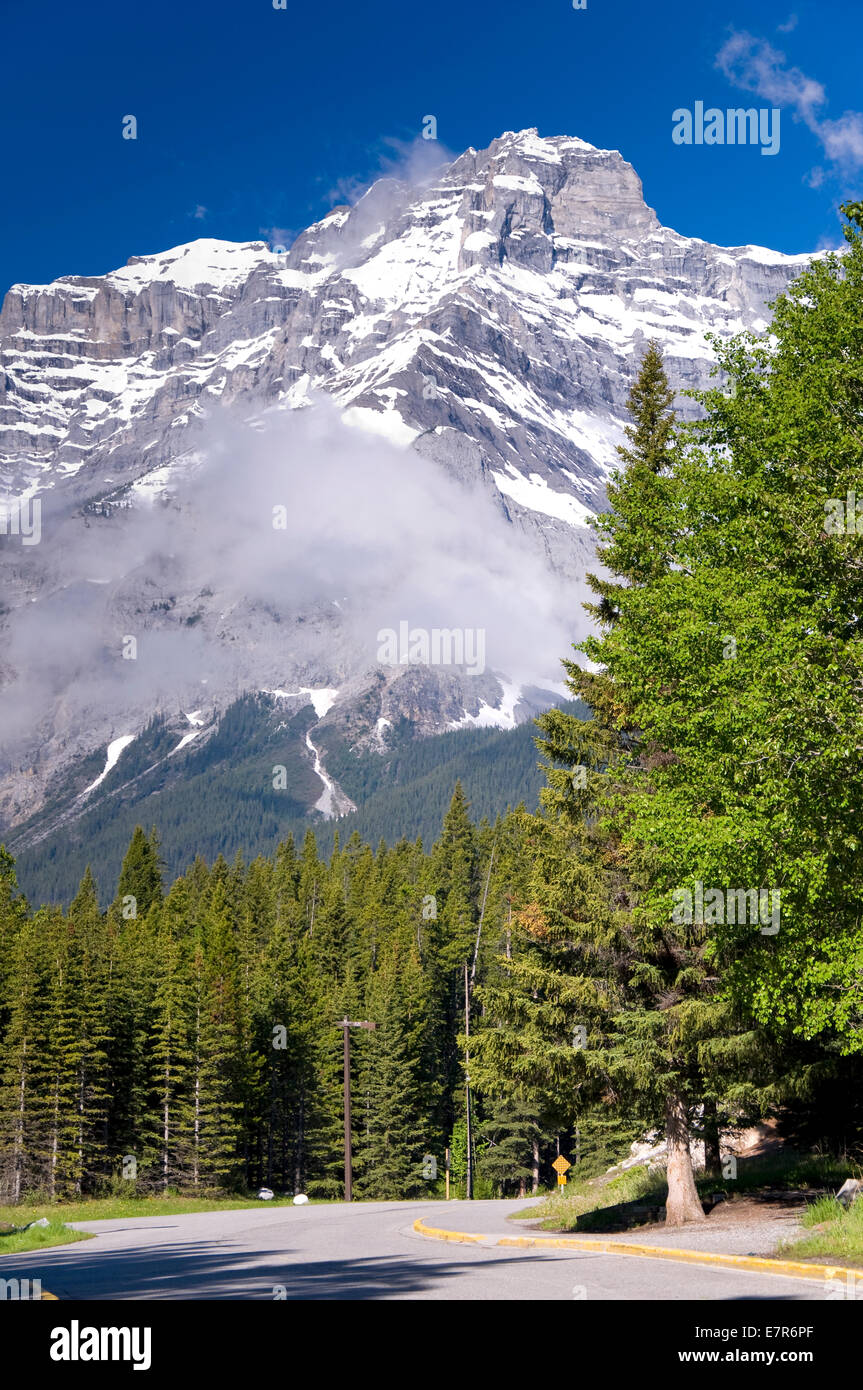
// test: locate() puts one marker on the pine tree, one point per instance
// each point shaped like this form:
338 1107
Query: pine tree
218 1047
72 1091
391 1142
508 1140
290 1024
140 882
19 1002
449 912
172 1030
608 997
13 913
132 969
454 871
21 1076
87 964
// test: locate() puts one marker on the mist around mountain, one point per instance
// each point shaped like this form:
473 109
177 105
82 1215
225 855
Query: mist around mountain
358 471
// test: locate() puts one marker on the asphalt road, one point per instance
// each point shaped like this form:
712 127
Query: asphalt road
364 1251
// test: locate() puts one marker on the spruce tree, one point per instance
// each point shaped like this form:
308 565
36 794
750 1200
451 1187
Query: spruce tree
22 1070
218 1049
390 1138
609 997
508 1140
140 882
172 1030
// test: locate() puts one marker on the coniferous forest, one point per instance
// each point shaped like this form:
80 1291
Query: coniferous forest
672 940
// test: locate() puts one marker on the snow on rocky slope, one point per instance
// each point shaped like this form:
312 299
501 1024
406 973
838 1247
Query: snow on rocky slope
507 301
489 322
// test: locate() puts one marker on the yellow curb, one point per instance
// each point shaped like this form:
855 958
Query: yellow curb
791 1268
440 1234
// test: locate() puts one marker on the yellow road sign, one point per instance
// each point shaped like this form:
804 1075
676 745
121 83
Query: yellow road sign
561 1164
561 1179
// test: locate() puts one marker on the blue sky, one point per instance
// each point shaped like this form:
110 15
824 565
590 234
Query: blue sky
253 121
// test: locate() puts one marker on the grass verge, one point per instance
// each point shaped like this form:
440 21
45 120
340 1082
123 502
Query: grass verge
583 1206
55 1233
635 1197
104 1209
834 1234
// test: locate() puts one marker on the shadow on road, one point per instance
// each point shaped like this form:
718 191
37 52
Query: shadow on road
207 1270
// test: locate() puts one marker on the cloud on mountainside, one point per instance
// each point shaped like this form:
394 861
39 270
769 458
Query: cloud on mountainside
374 535
414 162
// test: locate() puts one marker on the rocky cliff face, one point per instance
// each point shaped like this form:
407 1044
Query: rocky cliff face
486 325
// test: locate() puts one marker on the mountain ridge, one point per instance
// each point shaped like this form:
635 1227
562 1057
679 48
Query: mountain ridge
432 382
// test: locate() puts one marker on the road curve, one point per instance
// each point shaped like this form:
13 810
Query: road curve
366 1250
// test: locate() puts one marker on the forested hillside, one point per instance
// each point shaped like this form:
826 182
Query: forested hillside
196 1029
219 798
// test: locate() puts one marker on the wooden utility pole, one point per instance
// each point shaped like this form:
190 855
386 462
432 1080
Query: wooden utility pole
482 913
467 1026
469 1192
345 1025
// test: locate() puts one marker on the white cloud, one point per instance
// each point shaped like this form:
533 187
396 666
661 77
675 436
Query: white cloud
409 161
278 236
372 535
755 66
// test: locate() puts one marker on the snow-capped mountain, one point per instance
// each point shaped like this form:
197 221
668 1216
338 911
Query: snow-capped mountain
482 329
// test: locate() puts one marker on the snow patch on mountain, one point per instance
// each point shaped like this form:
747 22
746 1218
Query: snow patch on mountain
504 714
535 493
322 699
491 717
386 423
115 748
332 801
186 739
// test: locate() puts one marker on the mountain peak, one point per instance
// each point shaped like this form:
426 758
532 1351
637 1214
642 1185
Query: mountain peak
579 190
489 320
547 147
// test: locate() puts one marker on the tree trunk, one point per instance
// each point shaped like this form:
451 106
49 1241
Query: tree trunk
299 1154
683 1204
197 1125
534 1183
712 1149
166 1128
52 1187
19 1127
80 1168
